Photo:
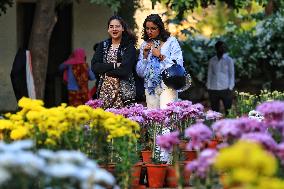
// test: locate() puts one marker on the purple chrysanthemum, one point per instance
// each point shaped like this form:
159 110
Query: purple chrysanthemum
212 115
234 128
138 119
198 134
272 110
263 138
95 103
201 165
156 115
168 140
280 152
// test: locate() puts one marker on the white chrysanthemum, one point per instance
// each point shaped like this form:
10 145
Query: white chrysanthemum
31 163
61 170
91 164
48 154
253 114
4 175
103 176
84 174
71 156
16 146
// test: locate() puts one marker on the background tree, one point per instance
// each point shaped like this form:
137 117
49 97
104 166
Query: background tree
45 18
180 7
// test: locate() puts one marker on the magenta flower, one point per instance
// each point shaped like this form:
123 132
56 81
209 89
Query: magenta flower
201 166
234 128
168 140
194 111
95 103
138 119
273 111
198 134
263 138
280 152
156 115
182 104
132 111
212 115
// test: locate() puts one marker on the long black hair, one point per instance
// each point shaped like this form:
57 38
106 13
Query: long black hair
128 35
157 20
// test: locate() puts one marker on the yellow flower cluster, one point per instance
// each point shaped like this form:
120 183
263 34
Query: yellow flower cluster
118 126
47 125
248 165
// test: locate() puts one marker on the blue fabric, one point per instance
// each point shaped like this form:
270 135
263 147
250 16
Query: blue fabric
152 75
171 50
72 83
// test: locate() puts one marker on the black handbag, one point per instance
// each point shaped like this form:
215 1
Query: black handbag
176 77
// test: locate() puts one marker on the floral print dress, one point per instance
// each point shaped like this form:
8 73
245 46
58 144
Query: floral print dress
110 89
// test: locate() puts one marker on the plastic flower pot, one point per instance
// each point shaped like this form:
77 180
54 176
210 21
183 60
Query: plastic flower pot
146 156
156 175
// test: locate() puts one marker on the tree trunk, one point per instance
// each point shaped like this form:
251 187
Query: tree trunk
44 21
270 8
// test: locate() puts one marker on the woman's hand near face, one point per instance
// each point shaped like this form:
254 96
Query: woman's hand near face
146 50
156 51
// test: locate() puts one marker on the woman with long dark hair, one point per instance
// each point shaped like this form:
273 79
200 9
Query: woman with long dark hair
113 62
158 52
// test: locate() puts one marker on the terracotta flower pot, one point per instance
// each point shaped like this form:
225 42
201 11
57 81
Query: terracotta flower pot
213 143
146 156
189 155
156 175
110 167
185 173
171 180
182 144
136 171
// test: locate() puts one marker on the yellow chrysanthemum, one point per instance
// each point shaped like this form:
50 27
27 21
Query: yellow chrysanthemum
243 175
271 183
6 124
19 133
246 162
31 104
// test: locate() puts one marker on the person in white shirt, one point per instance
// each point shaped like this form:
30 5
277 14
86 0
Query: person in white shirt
221 78
158 52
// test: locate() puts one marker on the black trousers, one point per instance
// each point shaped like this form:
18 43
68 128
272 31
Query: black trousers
226 96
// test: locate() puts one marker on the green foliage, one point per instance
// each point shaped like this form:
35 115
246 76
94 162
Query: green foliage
245 102
258 53
125 149
181 7
113 4
4 4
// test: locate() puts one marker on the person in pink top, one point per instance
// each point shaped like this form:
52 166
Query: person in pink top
76 75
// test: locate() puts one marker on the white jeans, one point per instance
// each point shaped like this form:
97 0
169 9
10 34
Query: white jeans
161 98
